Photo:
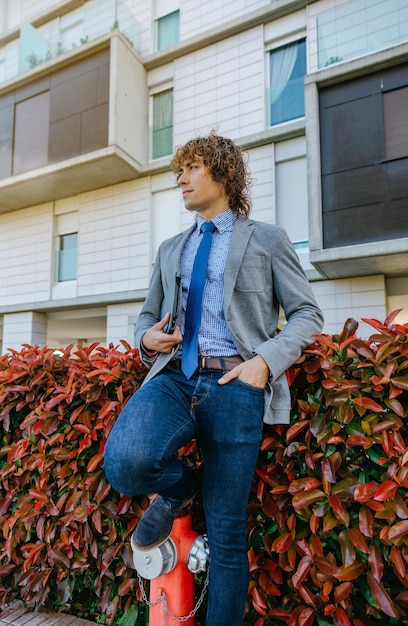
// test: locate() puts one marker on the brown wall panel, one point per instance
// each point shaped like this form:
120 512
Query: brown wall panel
31 127
59 131
6 152
84 96
94 129
64 140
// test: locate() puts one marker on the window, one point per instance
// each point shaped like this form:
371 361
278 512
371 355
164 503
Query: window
168 31
287 71
291 190
66 214
395 105
31 129
67 257
359 27
162 140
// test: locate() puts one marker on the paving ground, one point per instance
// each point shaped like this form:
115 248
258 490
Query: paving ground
16 615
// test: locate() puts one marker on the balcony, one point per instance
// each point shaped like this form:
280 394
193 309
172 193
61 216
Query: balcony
73 123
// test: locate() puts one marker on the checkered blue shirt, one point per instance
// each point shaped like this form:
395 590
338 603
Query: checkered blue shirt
214 338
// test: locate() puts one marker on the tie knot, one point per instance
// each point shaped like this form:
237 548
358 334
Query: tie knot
207 227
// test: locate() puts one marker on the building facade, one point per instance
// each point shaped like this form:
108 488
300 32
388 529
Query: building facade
95 95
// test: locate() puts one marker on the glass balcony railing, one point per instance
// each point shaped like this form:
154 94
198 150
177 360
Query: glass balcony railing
360 27
91 20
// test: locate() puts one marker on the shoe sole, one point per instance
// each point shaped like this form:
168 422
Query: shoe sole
184 511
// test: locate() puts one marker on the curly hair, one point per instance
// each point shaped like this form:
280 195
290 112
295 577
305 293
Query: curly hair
226 164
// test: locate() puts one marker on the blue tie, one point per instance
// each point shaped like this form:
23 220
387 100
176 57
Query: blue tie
189 356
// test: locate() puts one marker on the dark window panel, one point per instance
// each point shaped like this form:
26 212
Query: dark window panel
396 123
31 127
362 146
374 222
353 188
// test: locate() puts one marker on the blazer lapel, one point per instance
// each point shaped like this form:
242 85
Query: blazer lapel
239 239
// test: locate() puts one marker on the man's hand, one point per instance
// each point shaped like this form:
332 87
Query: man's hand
155 340
255 372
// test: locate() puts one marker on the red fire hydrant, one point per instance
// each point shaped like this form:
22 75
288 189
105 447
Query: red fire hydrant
171 567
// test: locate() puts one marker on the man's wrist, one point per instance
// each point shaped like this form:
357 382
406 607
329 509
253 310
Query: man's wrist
149 353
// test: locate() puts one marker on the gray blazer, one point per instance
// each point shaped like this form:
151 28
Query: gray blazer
262 273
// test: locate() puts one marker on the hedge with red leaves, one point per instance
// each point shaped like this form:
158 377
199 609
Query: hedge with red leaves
328 517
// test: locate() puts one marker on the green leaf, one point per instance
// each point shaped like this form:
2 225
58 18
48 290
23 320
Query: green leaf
377 455
130 617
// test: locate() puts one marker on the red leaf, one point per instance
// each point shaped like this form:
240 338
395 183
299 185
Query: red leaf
307 617
348 552
340 617
359 440
96 460
375 562
398 561
342 592
296 429
267 584
303 484
363 493
282 615
398 531
339 510
302 500
302 570
258 601
401 382
351 572
382 597
369 404
126 586
358 540
282 543
386 490
396 406
328 471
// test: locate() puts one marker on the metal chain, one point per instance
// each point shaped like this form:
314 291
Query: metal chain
162 598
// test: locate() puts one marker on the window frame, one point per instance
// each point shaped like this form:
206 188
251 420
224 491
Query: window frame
60 250
297 38
154 152
159 35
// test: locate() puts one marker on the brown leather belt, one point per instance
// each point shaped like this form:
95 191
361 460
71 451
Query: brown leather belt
212 362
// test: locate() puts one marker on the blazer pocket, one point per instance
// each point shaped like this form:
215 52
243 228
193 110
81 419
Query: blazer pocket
251 276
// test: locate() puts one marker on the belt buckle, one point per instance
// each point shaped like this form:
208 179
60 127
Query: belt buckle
201 361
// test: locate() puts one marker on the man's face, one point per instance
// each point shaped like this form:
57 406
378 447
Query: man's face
200 191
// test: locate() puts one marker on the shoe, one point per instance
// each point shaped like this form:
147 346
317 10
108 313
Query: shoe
156 524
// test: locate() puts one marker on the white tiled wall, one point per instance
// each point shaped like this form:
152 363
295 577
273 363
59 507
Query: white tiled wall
361 297
221 87
25 255
197 16
29 327
120 322
113 241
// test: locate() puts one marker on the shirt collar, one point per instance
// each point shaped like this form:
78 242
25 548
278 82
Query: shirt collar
222 221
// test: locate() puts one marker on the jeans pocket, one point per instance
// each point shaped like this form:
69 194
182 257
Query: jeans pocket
249 386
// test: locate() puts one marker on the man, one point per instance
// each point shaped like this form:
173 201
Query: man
237 378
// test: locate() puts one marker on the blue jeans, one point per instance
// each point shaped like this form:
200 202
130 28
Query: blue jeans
164 415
